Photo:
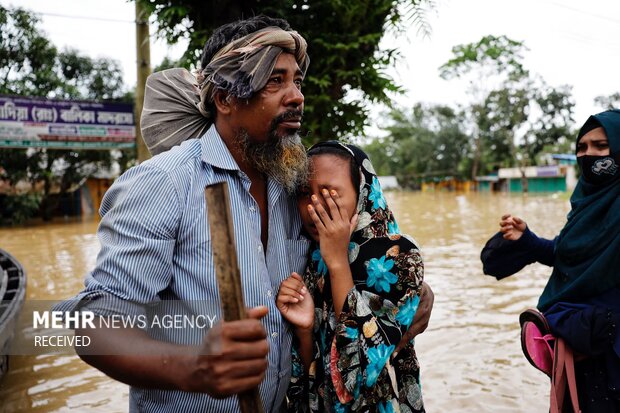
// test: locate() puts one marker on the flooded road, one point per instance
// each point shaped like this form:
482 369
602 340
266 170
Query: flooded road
470 355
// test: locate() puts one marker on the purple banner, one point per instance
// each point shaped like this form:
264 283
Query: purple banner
552 170
33 122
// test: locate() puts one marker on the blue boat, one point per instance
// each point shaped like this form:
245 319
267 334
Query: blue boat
12 296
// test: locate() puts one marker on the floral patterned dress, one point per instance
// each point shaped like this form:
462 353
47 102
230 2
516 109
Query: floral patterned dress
354 367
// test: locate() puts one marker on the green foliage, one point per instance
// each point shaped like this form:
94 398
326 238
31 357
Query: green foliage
167 63
31 66
553 124
17 209
515 124
608 102
514 116
347 69
425 143
499 54
512 120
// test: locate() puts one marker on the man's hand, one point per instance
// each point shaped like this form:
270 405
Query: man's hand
512 227
422 316
232 359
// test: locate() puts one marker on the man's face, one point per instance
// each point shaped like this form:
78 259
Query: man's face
267 126
277 108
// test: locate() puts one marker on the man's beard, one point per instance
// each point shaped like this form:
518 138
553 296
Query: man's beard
283 158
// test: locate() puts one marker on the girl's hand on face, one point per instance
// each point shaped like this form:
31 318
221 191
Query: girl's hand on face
512 227
334 227
295 303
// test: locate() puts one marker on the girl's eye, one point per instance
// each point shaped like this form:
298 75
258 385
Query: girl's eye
276 80
299 83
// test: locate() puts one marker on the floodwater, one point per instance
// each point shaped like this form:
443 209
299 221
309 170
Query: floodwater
470 355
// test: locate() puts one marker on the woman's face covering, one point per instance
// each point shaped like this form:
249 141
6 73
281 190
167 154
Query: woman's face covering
332 173
593 143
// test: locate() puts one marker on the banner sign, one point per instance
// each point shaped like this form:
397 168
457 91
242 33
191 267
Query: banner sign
548 171
41 123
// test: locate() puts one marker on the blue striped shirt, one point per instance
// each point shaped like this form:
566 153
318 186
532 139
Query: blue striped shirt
155 245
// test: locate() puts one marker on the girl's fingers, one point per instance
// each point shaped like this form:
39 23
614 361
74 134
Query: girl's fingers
302 284
292 283
297 287
289 292
286 299
343 210
315 219
324 216
290 289
331 204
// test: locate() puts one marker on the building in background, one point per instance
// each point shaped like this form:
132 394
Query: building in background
559 177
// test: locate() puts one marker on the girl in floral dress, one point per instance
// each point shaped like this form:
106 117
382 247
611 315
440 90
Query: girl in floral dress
358 295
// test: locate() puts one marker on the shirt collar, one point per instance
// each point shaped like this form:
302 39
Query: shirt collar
215 152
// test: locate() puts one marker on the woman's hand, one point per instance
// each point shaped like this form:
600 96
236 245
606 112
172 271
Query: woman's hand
295 303
334 227
512 227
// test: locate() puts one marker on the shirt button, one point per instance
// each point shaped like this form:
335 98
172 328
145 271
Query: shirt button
252 209
260 247
274 334
268 293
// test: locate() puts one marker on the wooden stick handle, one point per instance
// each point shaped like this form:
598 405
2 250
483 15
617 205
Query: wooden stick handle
227 271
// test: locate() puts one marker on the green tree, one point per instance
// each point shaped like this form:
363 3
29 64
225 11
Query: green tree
31 66
514 116
423 143
491 64
552 124
347 69
381 152
608 102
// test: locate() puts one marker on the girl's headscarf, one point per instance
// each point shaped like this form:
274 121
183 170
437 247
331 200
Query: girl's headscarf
587 252
177 104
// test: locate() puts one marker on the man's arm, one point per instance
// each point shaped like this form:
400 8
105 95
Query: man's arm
231 359
422 316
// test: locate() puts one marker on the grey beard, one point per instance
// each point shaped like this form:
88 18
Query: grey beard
281 158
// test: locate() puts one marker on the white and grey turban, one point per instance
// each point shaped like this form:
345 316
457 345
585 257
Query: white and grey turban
177 103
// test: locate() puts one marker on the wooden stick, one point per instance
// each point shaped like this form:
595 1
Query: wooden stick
227 271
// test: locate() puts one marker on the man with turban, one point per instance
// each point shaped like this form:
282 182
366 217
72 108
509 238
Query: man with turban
236 121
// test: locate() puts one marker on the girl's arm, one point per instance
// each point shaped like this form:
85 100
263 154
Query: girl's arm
297 307
342 282
305 337
335 231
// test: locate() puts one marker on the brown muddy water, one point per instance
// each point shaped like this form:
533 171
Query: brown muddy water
470 355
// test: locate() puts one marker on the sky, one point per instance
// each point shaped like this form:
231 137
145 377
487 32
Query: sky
569 42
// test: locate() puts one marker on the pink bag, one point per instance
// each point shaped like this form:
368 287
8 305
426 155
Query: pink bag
550 355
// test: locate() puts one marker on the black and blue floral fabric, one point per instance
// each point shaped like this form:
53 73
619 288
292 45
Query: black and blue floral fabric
355 367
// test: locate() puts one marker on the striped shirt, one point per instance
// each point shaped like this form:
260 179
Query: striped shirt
155 245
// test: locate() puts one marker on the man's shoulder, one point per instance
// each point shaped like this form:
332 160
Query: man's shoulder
185 156
174 168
